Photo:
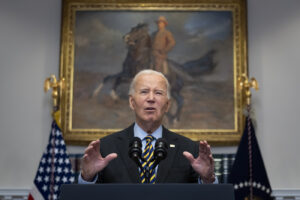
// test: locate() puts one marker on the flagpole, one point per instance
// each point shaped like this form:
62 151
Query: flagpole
52 164
245 85
250 152
57 86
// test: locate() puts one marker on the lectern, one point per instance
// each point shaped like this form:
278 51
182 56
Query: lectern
147 192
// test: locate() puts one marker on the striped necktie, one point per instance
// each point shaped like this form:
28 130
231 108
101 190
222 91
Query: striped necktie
148 162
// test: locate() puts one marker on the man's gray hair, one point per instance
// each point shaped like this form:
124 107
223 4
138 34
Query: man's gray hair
148 71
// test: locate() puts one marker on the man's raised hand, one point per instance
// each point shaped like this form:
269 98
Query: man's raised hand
204 163
93 162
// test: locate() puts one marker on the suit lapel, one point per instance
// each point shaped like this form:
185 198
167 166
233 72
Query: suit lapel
122 146
165 165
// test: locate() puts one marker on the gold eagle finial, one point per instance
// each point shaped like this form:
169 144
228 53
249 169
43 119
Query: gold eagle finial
57 87
245 85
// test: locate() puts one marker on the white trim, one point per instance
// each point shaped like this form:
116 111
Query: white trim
14 192
281 194
35 193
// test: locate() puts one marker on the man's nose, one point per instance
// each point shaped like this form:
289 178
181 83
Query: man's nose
151 97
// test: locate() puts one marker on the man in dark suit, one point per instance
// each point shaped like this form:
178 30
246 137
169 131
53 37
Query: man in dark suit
107 160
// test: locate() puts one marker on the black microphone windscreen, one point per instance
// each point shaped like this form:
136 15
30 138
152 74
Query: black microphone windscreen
135 141
160 151
161 142
135 151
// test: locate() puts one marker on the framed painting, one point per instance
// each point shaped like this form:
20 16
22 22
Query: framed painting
104 43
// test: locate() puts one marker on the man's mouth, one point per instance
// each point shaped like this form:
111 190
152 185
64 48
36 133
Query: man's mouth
150 109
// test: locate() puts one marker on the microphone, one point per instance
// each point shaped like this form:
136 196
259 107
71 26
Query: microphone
135 151
160 151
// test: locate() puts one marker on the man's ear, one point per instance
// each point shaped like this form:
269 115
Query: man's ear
168 105
131 102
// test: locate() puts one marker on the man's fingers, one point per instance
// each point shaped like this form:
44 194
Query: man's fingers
208 149
201 147
110 157
93 146
204 148
89 149
93 142
97 145
85 157
211 159
189 156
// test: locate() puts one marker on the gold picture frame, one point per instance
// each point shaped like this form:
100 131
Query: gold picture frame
92 48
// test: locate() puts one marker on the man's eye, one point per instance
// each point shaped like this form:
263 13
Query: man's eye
143 92
159 93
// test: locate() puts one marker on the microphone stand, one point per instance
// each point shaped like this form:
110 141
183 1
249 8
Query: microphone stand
147 172
135 153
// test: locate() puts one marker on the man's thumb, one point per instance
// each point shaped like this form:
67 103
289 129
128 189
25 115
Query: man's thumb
189 156
110 157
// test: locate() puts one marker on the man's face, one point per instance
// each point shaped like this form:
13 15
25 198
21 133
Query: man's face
161 25
149 100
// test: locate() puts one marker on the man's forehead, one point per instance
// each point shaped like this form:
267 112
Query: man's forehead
151 80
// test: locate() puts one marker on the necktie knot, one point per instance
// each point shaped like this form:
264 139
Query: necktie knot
149 138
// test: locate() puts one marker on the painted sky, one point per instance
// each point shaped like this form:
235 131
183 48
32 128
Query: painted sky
98 35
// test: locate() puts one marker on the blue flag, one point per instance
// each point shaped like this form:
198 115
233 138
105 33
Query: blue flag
248 174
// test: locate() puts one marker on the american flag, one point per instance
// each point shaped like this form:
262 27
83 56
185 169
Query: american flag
54 168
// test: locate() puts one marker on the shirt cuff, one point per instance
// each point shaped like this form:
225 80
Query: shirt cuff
81 181
215 182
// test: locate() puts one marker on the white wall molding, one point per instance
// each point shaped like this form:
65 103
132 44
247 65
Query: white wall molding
282 194
14 194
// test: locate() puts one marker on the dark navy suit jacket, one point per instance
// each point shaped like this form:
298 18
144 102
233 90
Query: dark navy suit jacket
174 169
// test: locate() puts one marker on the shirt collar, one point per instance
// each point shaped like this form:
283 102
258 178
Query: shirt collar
140 133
